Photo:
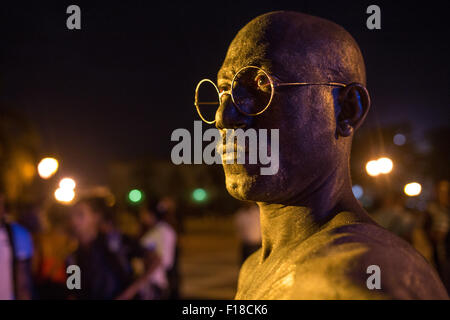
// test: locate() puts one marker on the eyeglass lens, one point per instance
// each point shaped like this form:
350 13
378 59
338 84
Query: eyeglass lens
251 92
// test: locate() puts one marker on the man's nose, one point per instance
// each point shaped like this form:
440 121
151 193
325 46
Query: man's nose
229 117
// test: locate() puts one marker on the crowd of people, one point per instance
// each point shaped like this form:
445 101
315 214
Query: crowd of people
427 230
35 254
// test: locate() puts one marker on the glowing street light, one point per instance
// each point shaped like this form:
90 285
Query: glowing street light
67 183
47 167
372 168
412 189
64 195
383 165
66 191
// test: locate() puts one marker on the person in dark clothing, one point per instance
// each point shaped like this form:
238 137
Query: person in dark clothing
104 255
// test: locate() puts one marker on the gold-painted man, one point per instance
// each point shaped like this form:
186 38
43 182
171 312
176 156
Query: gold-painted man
318 242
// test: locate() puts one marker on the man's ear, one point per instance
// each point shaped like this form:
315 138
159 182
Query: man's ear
354 102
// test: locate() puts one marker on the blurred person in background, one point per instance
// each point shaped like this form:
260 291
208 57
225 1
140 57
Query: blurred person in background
249 230
393 216
158 235
16 252
439 232
104 255
168 206
53 245
31 216
170 213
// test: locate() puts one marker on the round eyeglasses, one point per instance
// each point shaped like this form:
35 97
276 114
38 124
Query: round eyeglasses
252 90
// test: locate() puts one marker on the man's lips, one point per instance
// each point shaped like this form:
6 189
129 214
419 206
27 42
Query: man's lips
230 150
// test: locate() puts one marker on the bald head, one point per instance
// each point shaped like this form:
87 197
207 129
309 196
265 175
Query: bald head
299 45
315 122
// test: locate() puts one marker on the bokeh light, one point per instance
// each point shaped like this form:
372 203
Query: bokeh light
399 139
385 165
28 170
64 195
412 189
372 168
67 183
47 167
135 196
358 191
199 195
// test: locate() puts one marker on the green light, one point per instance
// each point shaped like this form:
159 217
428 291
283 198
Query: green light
135 195
199 195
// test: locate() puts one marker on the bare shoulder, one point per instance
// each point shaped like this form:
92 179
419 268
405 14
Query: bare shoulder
343 256
248 268
338 262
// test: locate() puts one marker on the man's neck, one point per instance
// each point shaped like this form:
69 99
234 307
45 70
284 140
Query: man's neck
283 225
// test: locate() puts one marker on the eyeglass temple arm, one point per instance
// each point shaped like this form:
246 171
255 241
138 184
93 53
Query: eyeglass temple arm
337 84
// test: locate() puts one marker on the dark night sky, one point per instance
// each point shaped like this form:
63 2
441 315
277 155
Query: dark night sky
117 88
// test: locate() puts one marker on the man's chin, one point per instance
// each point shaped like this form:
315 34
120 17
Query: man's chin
242 185
244 182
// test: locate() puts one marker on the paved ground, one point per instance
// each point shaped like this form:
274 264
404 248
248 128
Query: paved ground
209 261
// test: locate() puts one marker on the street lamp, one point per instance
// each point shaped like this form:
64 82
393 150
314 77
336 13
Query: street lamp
47 167
66 191
64 195
412 189
372 168
383 165
67 183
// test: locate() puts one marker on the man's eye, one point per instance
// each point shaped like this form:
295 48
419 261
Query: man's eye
262 81
223 89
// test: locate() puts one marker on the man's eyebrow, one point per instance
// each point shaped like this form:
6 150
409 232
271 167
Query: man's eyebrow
225 75
228 73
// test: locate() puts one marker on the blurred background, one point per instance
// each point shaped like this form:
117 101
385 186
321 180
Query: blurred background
86 117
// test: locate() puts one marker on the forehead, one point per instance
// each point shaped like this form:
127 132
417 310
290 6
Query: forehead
276 57
242 53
